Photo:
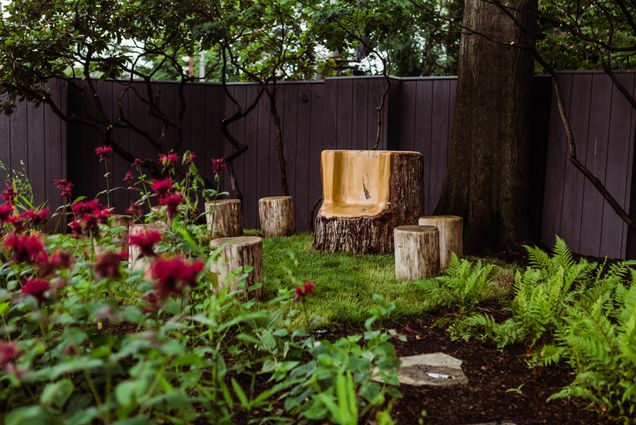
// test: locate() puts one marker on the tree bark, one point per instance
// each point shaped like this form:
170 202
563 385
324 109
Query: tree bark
416 252
276 214
235 254
450 235
224 218
487 179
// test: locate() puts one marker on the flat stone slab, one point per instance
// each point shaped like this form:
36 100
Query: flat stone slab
433 369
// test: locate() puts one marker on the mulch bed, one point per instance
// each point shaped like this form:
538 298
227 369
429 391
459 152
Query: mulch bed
490 373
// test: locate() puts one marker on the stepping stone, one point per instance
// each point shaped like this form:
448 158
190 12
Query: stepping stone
434 369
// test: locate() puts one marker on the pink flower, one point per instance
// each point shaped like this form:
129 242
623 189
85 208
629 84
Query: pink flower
102 152
303 290
35 218
129 177
9 194
162 187
61 259
218 165
85 207
168 160
6 210
138 162
108 265
65 187
25 248
8 351
172 203
173 275
35 287
145 240
89 215
76 228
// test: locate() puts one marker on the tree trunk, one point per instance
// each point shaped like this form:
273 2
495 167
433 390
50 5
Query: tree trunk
224 218
276 214
487 178
236 253
450 235
416 252
278 139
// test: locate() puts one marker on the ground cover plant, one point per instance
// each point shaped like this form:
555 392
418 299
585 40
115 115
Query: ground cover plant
86 339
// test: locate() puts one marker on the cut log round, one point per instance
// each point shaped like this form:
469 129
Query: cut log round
235 254
450 229
135 260
277 216
416 252
224 218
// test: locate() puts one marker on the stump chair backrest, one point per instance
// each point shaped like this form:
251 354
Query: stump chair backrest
355 182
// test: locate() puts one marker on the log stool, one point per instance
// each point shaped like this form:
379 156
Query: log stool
277 216
416 252
450 229
236 253
224 218
136 262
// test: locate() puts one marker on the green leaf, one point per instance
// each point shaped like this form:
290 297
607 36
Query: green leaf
56 394
128 393
31 415
240 394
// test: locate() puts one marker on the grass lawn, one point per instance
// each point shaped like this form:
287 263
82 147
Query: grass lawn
345 283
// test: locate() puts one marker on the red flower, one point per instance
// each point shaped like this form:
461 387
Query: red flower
145 240
129 177
162 187
218 165
35 287
169 160
85 207
76 228
102 152
9 194
6 210
65 187
172 202
135 210
303 290
138 162
61 259
33 217
173 275
108 265
90 215
8 352
25 248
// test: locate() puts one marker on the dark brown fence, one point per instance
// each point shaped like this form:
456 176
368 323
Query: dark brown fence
340 113
33 139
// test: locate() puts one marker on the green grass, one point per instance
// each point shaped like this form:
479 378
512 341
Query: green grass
345 283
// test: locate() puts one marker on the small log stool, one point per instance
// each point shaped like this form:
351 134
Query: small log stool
450 229
277 216
224 218
236 253
136 262
416 252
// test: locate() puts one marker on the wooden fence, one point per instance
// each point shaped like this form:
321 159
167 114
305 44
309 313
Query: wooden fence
341 113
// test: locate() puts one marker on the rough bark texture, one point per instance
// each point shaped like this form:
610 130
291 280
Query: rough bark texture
450 229
236 253
277 216
374 234
487 179
135 260
416 252
224 218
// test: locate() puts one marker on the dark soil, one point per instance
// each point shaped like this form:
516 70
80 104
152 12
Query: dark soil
485 399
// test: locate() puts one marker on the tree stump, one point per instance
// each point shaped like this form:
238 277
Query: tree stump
416 252
277 216
367 194
135 261
236 253
450 229
224 218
